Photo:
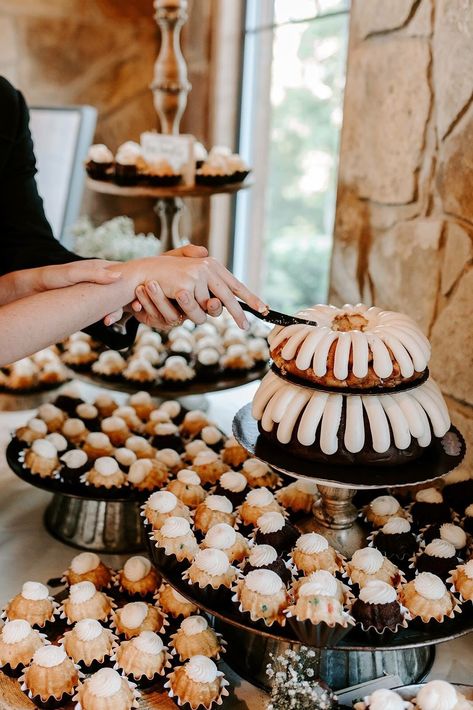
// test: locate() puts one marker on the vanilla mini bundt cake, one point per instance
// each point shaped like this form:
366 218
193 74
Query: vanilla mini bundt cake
386 429
353 346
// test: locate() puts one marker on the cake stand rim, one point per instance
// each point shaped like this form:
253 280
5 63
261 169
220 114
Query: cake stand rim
245 411
386 646
109 187
200 388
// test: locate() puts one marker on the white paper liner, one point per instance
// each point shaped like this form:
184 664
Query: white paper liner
162 671
181 701
136 695
23 687
281 620
55 614
217 657
113 606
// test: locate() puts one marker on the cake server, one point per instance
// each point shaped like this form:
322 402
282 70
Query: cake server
275 317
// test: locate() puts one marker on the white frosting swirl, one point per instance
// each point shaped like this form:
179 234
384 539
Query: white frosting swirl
98 440
35 591
38 426
453 534
259 497
114 424
159 417
49 411
49 656
165 429
204 458
133 614
254 468
377 592
195 447
212 561
171 407
194 625
169 457
263 581
196 416
175 527
73 427
220 504
82 592
141 397
469 511
139 470
44 448
15 631
75 458
262 555
311 543
384 699
137 443
148 642
84 562
188 476
368 560
201 669
162 501
106 466
125 457
384 505
305 486
429 495
99 153
468 569
87 411
437 695
233 481
440 548
221 536
319 585
105 683
270 522
211 435
136 568
57 440
396 526
429 586
88 629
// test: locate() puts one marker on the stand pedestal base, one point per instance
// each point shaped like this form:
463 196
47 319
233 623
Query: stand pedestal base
110 527
339 669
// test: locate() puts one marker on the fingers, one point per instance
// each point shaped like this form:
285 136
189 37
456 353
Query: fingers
190 250
161 302
136 306
201 294
222 291
214 307
113 317
190 306
240 290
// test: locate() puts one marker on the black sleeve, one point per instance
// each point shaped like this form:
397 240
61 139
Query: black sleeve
26 237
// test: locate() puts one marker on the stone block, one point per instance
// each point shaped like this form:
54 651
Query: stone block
455 171
386 110
458 252
379 16
462 417
404 268
452 343
452 60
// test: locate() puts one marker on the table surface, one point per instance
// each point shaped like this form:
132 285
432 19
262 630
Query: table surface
28 552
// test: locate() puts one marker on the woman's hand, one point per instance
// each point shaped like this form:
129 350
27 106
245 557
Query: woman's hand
95 271
160 312
192 283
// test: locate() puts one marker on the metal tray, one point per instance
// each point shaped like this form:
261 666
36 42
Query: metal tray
434 462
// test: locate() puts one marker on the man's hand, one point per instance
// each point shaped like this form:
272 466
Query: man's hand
153 308
89 270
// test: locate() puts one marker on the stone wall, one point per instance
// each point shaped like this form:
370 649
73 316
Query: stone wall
102 52
404 221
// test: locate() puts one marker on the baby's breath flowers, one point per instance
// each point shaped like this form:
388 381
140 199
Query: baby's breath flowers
115 240
294 685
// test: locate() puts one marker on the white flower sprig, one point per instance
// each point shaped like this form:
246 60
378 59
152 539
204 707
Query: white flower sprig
115 240
294 684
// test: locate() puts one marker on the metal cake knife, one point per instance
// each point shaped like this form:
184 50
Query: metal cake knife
275 317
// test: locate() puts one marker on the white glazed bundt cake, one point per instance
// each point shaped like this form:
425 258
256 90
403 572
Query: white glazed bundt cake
353 346
386 429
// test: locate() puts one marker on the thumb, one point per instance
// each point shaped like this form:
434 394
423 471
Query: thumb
190 250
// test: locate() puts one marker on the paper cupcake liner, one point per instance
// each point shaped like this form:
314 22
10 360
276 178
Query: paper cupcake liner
215 598
13 672
467 604
375 635
321 634
53 619
216 657
52 702
261 624
64 617
432 625
136 695
169 563
63 581
143 681
103 490
200 706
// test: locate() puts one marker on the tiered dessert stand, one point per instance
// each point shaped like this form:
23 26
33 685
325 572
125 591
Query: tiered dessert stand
355 659
170 89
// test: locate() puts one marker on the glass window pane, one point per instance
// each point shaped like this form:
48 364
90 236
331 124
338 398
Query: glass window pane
308 73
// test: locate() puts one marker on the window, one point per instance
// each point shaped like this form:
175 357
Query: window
291 115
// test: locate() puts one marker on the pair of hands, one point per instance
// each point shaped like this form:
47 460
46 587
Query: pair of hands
172 287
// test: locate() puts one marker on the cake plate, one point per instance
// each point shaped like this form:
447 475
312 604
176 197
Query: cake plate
336 517
107 522
23 399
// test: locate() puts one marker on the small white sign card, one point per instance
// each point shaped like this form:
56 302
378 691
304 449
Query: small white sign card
177 150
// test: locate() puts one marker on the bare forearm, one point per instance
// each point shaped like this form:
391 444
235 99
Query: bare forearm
34 322
19 284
